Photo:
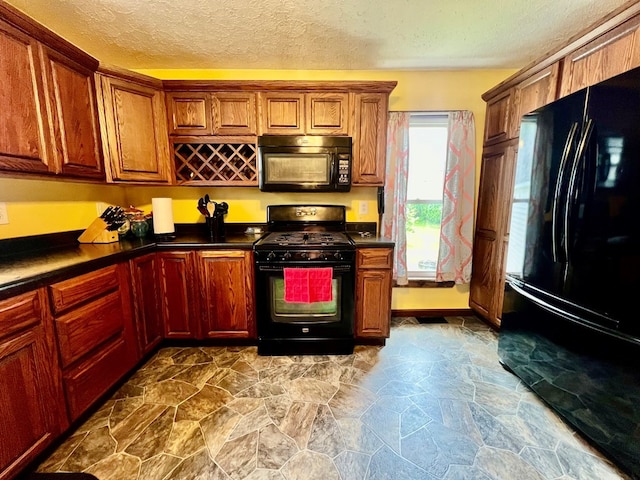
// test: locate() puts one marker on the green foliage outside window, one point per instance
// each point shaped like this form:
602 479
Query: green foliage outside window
423 215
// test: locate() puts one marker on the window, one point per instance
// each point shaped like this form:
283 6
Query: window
521 194
428 136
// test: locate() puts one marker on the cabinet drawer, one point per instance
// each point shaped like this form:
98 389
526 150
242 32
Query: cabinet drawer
74 291
87 327
93 377
374 258
19 313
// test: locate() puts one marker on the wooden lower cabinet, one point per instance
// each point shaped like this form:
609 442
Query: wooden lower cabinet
227 294
32 412
95 335
146 302
373 292
207 294
177 272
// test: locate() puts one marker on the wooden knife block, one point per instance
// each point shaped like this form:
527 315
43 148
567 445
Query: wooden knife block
97 233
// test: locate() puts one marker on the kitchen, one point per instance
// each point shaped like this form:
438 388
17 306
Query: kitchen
26 197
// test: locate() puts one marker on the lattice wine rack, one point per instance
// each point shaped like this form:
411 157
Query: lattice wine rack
216 163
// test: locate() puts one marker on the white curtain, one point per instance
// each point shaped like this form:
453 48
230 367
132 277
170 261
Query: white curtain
456 232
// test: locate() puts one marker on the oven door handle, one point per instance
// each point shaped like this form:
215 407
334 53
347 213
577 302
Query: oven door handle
279 268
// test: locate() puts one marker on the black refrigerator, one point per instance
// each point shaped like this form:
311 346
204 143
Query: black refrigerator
571 322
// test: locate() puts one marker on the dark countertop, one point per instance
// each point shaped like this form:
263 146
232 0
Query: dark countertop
34 262
370 241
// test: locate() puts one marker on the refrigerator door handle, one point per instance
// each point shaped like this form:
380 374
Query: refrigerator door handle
571 192
555 209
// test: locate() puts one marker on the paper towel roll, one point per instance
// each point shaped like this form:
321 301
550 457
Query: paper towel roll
162 216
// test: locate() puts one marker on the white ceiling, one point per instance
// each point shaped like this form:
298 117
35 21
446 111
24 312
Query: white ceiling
317 34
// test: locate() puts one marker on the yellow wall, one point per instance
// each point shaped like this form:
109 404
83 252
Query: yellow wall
46 206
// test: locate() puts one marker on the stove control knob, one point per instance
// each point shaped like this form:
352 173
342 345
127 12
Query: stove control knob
286 256
337 256
271 256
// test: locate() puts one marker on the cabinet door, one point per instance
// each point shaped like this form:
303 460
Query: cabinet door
535 92
614 52
23 121
74 118
234 113
178 294
373 292
226 279
494 207
189 113
134 132
146 302
282 113
327 113
29 374
499 118
369 138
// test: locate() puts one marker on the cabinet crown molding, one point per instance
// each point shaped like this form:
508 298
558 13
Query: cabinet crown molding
28 25
279 85
617 17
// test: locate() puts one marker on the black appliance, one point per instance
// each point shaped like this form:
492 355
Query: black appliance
303 237
299 163
570 324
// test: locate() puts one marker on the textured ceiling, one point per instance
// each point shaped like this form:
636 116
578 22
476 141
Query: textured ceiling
317 34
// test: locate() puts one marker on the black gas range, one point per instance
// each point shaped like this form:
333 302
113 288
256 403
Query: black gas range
306 244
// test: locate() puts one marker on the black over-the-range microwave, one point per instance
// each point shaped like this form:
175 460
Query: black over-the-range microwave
299 163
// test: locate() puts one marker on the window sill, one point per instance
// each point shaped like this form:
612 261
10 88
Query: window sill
424 283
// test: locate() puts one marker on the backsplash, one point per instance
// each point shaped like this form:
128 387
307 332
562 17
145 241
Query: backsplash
37 207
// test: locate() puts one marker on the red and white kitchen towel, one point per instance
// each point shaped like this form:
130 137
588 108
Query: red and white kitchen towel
308 285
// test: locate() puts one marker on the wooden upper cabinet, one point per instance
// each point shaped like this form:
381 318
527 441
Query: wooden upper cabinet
234 113
369 135
296 113
499 118
73 116
134 130
24 139
282 113
189 113
327 113
610 54
206 113
538 90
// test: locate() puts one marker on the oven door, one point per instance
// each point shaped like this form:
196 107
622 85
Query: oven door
278 318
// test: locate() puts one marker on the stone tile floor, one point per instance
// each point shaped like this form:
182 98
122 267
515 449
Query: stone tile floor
434 403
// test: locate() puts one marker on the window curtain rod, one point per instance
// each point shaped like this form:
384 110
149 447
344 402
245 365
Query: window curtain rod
428 112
